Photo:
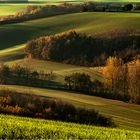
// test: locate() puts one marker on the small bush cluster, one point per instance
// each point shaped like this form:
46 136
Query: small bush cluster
79 82
108 7
136 7
15 103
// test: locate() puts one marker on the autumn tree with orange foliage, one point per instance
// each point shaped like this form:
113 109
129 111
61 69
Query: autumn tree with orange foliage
134 81
123 79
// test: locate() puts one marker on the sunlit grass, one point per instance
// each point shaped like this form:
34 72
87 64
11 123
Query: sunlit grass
9 9
93 24
27 128
124 114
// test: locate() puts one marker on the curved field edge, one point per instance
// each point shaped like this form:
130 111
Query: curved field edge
14 56
13 8
45 129
91 23
125 115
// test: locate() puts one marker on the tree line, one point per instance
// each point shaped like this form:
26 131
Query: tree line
15 103
79 49
24 76
38 11
121 81
109 7
79 82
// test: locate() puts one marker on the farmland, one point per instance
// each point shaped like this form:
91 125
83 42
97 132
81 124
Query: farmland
93 24
12 8
97 25
42 129
7 9
125 115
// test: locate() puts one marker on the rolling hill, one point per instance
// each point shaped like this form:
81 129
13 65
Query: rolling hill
91 23
125 115
26 128
13 38
12 8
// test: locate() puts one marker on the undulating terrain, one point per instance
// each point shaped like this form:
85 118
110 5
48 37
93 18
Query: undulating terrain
13 41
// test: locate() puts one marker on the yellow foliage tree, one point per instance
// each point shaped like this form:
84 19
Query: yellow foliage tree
134 81
112 72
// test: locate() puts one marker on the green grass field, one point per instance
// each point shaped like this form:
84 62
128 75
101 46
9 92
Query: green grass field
61 70
13 8
13 37
91 23
125 115
27 128
10 9
14 55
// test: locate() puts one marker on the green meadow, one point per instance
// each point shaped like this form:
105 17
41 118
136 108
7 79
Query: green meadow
11 9
91 23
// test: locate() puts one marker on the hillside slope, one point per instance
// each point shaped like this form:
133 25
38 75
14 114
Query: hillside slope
91 23
26 128
125 115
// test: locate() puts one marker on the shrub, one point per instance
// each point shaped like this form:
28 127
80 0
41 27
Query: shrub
79 82
41 107
128 7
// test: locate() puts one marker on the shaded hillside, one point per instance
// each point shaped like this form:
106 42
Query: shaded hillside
99 24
